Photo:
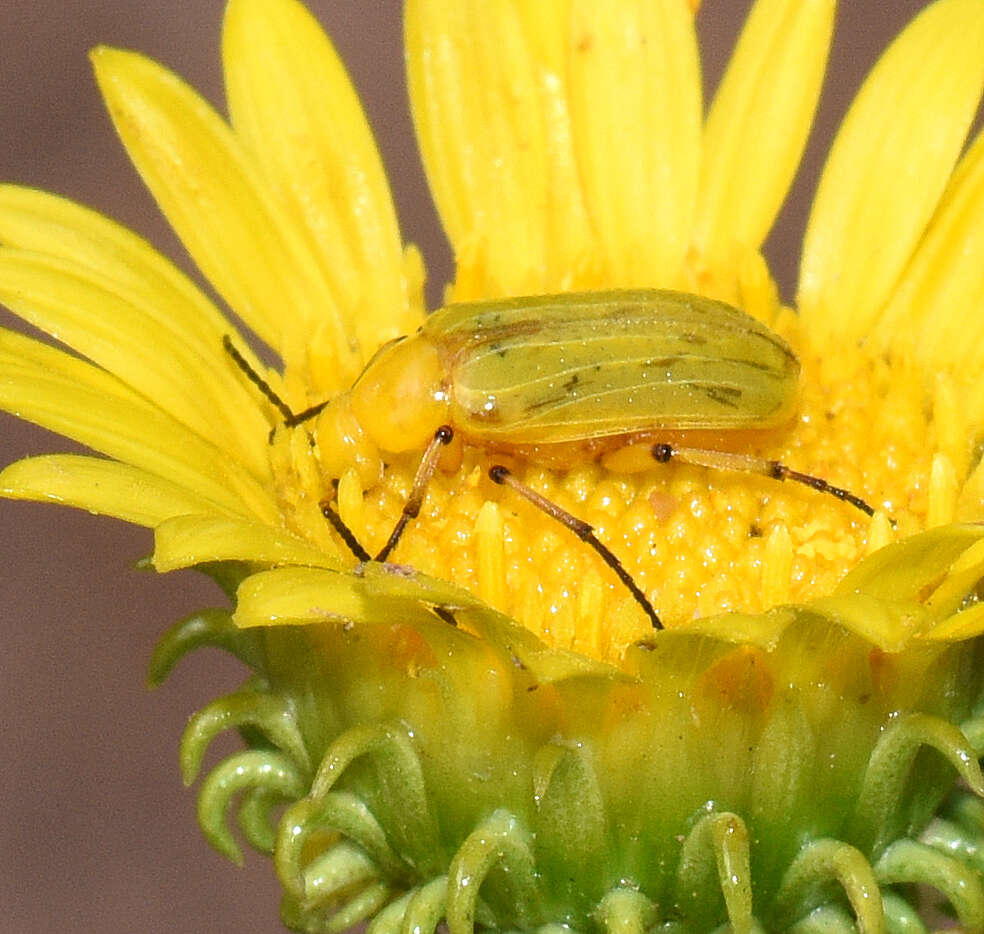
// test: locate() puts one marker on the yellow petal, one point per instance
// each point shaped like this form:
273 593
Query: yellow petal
215 200
489 99
295 110
100 486
889 624
636 112
384 593
761 629
188 540
82 402
91 315
52 226
759 122
45 223
951 594
301 596
935 314
911 570
967 624
889 166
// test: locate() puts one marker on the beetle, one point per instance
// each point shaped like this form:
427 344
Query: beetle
617 374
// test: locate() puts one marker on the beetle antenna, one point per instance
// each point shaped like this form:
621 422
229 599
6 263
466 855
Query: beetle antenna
291 418
726 460
503 476
411 508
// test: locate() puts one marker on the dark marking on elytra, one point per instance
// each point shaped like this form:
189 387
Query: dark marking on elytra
728 396
548 401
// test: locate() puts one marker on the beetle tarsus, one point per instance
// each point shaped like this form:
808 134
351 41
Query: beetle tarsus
411 508
583 530
748 463
782 472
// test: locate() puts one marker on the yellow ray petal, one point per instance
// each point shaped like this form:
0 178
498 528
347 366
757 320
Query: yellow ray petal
80 401
912 569
301 596
44 223
967 624
759 122
214 198
187 540
90 314
293 106
889 166
889 624
636 111
382 593
952 594
935 314
100 486
490 105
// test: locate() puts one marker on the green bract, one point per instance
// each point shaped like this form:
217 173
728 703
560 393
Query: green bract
798 771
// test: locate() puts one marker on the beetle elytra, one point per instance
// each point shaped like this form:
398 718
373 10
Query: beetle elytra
591 374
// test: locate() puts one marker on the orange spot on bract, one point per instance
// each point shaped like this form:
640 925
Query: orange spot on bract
740 681
884 671
624 703
407 647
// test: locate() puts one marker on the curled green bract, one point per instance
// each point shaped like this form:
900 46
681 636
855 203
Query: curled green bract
798 773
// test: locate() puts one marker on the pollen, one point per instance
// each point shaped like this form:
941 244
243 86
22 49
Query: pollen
698 541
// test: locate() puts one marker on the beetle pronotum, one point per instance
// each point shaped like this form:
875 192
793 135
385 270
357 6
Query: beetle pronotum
613 374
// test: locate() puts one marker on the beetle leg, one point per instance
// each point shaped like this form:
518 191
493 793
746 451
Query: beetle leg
726 460
428 464
348 536
584 531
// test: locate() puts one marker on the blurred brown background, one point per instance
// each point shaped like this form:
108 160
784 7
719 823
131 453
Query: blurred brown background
97 833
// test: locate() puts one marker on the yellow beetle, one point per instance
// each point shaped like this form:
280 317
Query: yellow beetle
577 374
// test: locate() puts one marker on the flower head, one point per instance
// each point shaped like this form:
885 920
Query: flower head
489 730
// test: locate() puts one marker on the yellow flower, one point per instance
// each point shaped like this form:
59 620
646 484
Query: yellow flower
489 731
